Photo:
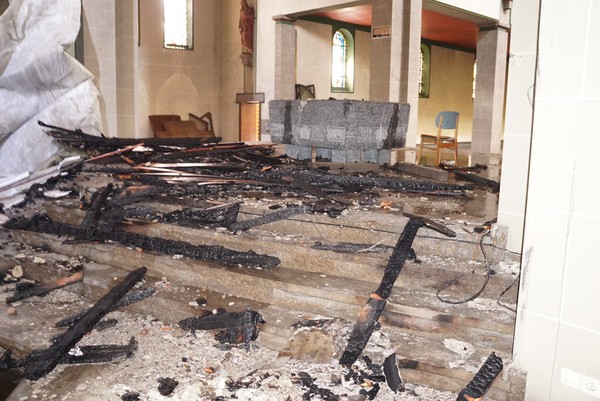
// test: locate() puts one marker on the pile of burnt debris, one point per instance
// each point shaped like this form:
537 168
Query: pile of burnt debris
213 178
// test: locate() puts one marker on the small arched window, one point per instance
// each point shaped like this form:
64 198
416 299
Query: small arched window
342 61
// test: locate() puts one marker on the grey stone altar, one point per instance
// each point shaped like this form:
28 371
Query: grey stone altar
340 130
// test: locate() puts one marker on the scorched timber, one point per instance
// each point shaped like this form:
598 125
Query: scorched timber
100 353
348 181
41 362
81 139
483 379
38 290
267 218
369 315
209 253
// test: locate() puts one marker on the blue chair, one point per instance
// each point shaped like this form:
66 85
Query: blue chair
445 120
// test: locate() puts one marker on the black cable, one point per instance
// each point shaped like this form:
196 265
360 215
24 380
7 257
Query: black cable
452 282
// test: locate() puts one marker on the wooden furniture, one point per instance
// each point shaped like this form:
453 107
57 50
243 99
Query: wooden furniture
305 92
445 120
172 126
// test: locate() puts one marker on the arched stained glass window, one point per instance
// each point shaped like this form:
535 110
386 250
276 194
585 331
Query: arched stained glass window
338 61
342 61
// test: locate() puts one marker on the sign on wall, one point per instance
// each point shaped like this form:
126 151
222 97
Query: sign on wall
379 32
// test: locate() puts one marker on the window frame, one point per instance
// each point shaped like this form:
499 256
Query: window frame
189 27
348 35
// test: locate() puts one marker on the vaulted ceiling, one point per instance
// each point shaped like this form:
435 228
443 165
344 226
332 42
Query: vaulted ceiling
434 26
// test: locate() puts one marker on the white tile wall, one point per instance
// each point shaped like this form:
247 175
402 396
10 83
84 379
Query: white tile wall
562 213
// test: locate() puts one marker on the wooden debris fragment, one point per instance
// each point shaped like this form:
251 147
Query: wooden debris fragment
37 290
99 353
483 379
40 362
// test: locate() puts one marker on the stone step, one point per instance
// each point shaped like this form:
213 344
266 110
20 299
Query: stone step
334 296
438 366
297 254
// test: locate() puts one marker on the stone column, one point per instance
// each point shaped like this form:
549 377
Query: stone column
488 108
285 58
395 58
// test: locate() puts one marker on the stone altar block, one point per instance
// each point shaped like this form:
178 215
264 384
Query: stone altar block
345 130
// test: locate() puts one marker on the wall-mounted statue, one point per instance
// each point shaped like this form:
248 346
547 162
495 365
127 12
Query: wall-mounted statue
247 27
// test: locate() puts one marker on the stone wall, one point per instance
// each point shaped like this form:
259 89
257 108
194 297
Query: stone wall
339 130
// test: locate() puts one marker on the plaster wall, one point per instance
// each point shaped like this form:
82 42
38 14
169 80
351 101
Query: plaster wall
450 88
126 33
313 63
231 69
100 56
178 81
557 324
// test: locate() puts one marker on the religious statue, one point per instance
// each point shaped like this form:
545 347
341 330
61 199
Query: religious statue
247 27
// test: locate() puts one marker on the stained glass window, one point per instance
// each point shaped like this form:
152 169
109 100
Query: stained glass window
339 58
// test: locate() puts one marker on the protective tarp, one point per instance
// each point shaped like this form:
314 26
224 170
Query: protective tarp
40 81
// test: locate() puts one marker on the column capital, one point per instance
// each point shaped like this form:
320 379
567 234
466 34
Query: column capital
284 19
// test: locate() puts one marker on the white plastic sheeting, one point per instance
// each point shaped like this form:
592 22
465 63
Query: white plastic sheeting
40 81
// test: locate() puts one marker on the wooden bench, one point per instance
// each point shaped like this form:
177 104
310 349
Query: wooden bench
172 126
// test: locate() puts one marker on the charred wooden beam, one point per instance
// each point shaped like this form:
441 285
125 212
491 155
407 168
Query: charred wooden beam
128 299
99 353
268 218
98 203
482 380
212 217
349 181
41 362
211 253
364 326
38 290
80 139
491 185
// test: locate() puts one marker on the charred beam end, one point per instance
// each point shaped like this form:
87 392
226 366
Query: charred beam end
42 289
392 374
92 215
100 353
210 253
483 379
267 218
491 185
41 362
362 330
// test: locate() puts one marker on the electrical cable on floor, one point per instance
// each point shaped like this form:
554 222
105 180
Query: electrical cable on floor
485 283
505 291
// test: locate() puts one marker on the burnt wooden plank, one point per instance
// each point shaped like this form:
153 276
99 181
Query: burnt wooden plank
41 362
